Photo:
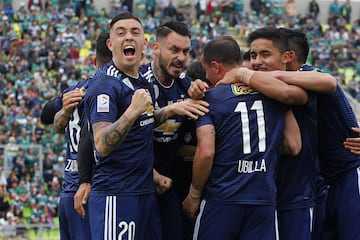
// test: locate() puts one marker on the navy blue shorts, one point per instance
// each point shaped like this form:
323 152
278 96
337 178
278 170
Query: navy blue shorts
72 226
295 224
124 217
235 221
171 215
343 208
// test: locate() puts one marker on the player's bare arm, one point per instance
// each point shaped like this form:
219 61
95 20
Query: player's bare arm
108 136
81 197
292 136
162 183
189 107
267 85
69 101
353 144
203 161
309 80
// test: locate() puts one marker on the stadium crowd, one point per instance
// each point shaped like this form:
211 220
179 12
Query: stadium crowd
46 47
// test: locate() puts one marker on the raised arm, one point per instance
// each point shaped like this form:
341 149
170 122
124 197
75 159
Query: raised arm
189 107
268 85
309 80
70 101
108 136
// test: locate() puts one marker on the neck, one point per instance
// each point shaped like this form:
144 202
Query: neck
163 78
132 71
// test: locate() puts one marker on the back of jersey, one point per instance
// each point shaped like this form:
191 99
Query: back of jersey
249 135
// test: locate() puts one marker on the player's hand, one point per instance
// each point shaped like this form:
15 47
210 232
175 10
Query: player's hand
71 99
161 182
191 206
197 89
141 101
353 144
81 197
235 75
191 108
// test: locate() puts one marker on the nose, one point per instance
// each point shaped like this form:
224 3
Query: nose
255 61
182 57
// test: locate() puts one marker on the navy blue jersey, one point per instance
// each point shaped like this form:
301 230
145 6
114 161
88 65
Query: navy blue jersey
128 169
72 134
166 135
184 158
295 177
335 120
249 138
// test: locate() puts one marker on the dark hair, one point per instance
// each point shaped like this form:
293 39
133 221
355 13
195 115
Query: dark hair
123 16
196 71
298 42
224 50
272 34
103 54
172 26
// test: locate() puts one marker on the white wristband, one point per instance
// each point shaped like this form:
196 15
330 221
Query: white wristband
245 75
193 193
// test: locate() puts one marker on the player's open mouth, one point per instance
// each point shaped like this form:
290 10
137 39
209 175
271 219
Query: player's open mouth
129 51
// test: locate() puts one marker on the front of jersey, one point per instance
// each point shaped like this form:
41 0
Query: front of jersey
128 169
249 135
166 135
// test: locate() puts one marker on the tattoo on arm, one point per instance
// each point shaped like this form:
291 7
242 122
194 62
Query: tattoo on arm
60 122
114 134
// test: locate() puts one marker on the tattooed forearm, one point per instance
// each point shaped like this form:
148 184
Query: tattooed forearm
112 135
60 122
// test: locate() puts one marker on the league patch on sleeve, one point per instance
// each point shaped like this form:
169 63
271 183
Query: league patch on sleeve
103 103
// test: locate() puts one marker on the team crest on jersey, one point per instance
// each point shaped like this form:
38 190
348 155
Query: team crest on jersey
83 90
103 103
238 89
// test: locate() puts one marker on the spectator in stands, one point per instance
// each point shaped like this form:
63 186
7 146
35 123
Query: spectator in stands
291 10
150 6
346 11
314 9
4 206
36 214
3 184
11 149
256 6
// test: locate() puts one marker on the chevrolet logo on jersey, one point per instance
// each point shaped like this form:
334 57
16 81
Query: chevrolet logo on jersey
241 89
169 127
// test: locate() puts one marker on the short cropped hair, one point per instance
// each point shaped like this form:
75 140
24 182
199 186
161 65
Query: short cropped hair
224 50
173 26
272 34
123 16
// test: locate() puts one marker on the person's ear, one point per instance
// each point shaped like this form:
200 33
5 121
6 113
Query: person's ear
288 57
109 44
155 47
